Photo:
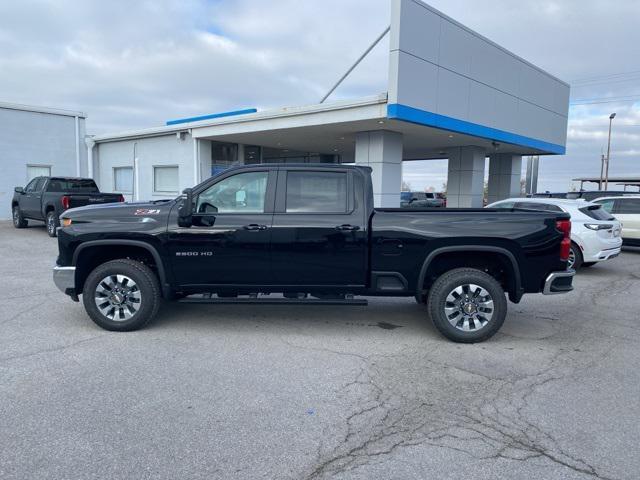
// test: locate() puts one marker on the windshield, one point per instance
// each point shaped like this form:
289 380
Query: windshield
80 185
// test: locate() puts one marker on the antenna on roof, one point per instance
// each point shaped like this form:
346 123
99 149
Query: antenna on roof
366 52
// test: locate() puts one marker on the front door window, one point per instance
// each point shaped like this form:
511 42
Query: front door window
242 193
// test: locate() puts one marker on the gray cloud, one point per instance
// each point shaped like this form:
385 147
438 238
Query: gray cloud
137 64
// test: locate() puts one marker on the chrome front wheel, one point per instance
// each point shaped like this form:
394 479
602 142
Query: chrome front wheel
469 307
118 297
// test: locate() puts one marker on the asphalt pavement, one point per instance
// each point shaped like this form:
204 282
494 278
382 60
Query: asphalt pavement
302 392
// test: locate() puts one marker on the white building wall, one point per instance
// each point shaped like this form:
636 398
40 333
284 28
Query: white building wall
165 150
36 138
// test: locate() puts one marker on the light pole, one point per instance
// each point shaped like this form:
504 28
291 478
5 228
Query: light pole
606 174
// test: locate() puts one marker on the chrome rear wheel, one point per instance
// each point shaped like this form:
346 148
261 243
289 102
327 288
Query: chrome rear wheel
469 307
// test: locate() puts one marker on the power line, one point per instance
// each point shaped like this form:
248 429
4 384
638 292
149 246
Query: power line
600 77
606 82
592 101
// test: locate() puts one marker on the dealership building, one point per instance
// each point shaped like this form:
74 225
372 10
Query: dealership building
451 94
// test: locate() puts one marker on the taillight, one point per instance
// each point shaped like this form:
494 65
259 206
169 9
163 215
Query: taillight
565 245
65 202
121 198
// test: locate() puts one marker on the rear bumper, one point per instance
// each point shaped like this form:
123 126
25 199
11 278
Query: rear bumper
65 279
603 255
559 282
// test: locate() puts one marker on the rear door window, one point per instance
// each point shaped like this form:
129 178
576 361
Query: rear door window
629 206
316 192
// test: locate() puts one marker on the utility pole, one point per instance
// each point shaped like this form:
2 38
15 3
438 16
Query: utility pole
601 173
606 173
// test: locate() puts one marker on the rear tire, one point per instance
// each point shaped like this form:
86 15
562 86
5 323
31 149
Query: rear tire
120 305
52 222
575 257
18 220
467 305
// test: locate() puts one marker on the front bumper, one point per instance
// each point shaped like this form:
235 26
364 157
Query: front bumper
65 279
559 282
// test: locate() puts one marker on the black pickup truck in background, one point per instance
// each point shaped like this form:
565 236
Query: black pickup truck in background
308 234
45 198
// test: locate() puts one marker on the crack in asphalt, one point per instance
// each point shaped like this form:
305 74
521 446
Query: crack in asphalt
51 350
387 419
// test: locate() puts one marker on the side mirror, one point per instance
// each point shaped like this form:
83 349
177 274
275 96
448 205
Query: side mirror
185 211
18 190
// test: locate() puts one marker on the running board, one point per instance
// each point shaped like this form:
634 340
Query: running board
277 301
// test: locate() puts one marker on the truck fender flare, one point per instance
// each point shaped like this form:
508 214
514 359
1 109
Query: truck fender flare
129 243
472 248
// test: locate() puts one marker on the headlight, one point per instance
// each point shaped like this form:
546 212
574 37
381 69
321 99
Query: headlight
66 222
598 226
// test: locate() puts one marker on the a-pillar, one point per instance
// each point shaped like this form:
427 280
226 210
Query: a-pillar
505 171
465 181
382 151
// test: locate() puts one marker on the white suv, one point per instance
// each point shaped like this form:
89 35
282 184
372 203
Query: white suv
627 210
595 233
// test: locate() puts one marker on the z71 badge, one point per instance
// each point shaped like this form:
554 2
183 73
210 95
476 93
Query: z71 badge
147 211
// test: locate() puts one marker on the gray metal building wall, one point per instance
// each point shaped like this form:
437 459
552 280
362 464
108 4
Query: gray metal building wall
33 137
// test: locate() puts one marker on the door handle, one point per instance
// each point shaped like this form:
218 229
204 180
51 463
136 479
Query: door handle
347 228
255 226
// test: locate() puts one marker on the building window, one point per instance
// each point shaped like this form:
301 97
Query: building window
34 171
165 179
123 179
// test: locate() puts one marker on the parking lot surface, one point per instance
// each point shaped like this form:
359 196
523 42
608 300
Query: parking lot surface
236 391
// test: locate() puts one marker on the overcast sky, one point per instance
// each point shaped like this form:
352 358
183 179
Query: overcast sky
136 64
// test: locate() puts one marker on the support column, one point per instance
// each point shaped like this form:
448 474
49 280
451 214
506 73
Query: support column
90 143
382 151
465 182
204 158
504 176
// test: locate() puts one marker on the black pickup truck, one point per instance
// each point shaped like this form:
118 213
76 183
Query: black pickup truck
45 198
307 234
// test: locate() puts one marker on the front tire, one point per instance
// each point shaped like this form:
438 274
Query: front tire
467 305
52 223
121 295
18 220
